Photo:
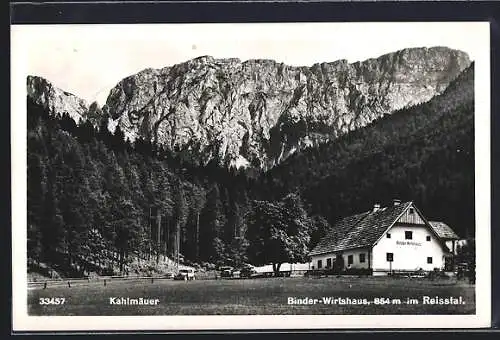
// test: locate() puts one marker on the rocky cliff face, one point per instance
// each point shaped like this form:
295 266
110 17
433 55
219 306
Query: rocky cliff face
261 111
57 101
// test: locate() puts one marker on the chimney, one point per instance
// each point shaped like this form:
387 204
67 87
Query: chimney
396 202
376 207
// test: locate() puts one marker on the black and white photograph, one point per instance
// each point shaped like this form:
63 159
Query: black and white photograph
264 175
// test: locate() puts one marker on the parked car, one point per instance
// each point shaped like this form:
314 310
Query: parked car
236 273
226 271
169 275
247 272
185 274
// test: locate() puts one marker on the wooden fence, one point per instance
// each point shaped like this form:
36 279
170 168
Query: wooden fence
105 280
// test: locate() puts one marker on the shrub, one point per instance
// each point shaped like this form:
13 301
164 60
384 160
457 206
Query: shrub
357 271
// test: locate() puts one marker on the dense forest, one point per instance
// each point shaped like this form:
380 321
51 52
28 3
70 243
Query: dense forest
97 202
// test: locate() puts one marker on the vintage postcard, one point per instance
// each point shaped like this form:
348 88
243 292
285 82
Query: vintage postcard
251 176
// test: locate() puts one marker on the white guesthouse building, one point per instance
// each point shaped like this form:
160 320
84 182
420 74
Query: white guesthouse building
397 238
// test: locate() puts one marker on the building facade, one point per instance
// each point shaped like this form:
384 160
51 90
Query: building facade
397 238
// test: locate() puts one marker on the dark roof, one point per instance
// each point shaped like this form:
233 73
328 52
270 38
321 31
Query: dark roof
443 230
359 230
339 230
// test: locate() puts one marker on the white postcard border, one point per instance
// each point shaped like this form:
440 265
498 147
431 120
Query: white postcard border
23 322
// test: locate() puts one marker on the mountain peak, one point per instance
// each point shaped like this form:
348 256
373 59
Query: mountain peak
260 111
56 100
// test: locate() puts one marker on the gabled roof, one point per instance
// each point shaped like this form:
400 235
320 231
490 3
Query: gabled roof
336 233
360 230
443 230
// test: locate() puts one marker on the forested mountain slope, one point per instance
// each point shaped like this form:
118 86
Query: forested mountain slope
424 153
95 202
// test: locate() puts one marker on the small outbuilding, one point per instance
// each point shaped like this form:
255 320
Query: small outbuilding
397 238
446 234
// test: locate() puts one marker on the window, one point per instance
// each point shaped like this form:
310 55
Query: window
390 257
388 235
408 235
320 264
350 259
328 263
411 211
429 259
428 238
362 258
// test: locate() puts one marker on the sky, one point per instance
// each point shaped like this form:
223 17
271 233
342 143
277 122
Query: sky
89 60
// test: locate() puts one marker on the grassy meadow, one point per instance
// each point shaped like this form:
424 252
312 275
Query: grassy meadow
253 296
